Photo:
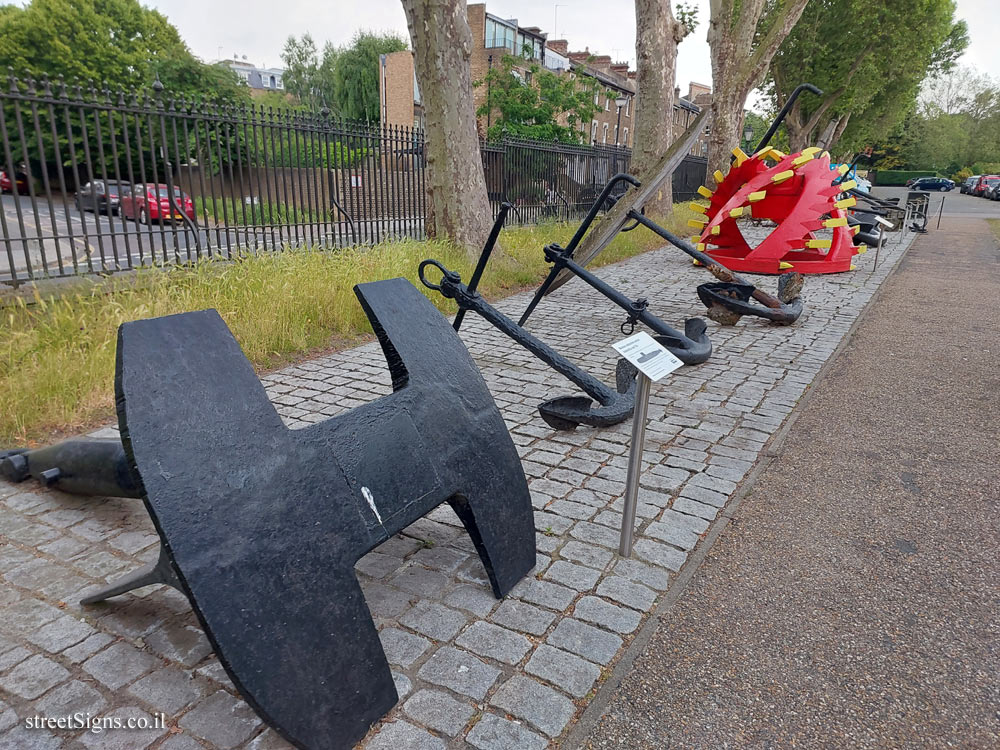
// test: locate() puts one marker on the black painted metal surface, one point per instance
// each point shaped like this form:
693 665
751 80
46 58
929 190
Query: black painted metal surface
263 524
82 466
566 412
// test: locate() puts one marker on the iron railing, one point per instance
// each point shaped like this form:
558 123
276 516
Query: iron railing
230 180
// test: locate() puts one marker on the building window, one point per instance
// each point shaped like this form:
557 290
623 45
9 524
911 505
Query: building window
597 100
607 104
280 84
605 132
500 35
625 137
628 107
593 132
271 83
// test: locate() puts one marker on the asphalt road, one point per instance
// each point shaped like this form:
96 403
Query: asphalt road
58 239
955 204
854 599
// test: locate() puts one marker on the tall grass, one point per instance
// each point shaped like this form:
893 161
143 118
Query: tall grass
57 355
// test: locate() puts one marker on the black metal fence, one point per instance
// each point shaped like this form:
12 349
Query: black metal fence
97 182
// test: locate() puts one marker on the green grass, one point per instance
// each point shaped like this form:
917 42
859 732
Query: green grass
57 355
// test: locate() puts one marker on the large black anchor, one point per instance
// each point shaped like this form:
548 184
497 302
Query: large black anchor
565 412
82 466
261 526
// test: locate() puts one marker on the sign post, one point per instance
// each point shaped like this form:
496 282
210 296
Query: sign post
653 361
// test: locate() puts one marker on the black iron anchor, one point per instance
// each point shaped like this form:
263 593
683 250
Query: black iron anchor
565 412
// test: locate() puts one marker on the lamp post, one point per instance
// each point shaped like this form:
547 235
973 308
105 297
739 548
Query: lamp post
621 101
747 135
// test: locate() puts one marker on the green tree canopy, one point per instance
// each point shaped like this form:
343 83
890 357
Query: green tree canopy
355 74
117 42
530 101
869 59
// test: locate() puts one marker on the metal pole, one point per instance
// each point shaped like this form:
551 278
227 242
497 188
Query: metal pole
940 211
618 126
634 464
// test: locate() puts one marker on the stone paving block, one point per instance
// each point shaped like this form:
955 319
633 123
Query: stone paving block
725 486
186 742
60 634
13 656
658 553
611 616
438 711
476 599
69 698
538 704
586 554
168 690
443 559
420 581
20 738
125 738
574 576
459 671
487 639
596 534
550 523
569 509
119 664
674 518
679 536
33 676
648 575
565 670
523 617
694 508
584 640
544 593
627 592
494 733
87 648
184 644
434 620
222 720
402 648
385 601
378 565
266 740
400 734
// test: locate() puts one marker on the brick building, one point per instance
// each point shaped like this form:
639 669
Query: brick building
493 37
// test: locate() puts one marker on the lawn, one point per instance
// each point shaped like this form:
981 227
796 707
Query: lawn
57 354
995 226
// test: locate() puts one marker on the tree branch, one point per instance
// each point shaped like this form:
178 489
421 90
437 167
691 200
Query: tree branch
761 58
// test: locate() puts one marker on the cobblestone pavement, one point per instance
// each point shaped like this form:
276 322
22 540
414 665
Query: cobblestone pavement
470 671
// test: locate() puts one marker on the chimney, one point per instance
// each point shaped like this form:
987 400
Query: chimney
677 93
620 68
560 46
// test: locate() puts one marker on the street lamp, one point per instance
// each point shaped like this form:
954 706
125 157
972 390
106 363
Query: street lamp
747 134
621 101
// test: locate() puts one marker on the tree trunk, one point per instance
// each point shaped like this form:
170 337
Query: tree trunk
458 207
740 59
657 35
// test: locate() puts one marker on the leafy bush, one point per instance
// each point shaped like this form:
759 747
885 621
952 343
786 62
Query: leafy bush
900 176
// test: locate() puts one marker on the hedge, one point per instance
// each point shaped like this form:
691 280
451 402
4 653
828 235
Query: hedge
899 176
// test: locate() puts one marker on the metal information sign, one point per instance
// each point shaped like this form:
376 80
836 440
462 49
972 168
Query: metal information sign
649 357
653 361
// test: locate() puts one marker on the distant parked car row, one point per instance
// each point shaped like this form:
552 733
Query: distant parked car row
145 202
983 186
7 185
942 184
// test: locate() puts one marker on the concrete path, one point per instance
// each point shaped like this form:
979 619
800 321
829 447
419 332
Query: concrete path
853 599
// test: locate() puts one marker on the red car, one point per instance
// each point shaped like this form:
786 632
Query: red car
6 186
148 203
985 182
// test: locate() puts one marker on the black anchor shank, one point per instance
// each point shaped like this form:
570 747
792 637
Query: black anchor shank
563 413
81 466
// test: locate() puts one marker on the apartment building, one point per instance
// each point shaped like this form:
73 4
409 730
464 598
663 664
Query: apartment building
258 78
494 37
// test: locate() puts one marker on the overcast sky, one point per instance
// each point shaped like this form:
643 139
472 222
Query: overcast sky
258 28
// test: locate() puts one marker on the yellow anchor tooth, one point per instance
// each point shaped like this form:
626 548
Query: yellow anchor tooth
846 203
844 169
705 192
702 247
854 267
758 196
856 228
825 155
716 229
695 261
698 208
839 222
819 243
782 176
849 185
777 155
812 151
719 177
698 222
782 266
798 161
736 212
740 156
862 249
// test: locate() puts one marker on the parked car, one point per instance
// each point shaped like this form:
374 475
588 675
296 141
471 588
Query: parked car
101 196
942 184
993 191
7 185
969 183
147 203
985 181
